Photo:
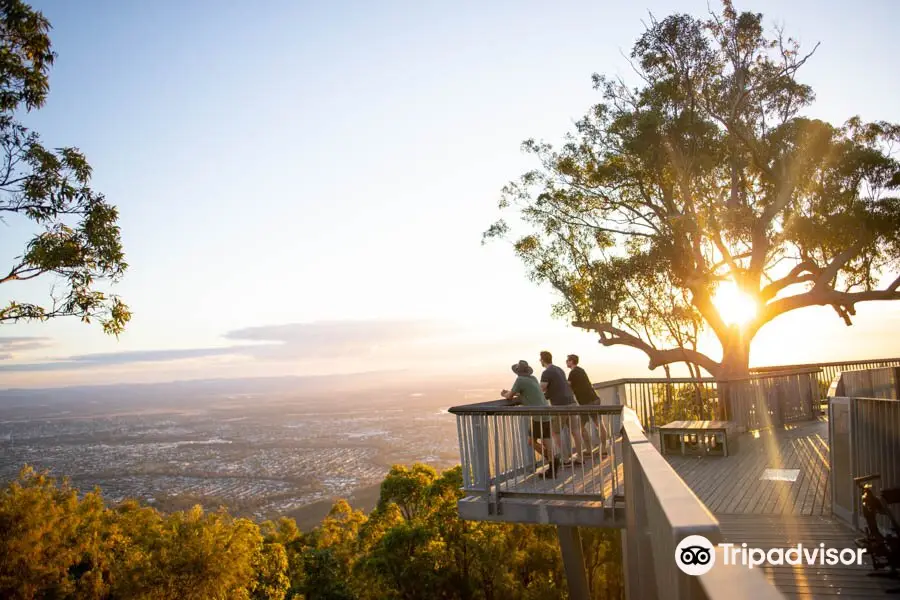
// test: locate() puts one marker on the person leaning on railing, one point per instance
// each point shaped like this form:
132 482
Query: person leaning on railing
526 389
585 394
556 386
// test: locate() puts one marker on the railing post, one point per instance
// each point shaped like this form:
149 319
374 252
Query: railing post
480 468
723 408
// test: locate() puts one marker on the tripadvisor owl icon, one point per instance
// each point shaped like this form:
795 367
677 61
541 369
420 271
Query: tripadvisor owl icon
695 555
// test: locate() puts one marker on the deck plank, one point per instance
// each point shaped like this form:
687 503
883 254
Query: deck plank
733 484
780 514
807 581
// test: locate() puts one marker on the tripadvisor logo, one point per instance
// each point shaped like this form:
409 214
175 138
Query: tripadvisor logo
696 555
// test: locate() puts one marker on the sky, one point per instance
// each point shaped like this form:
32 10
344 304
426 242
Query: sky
303 186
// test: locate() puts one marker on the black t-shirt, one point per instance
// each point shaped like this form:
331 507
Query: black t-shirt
581 385
558 390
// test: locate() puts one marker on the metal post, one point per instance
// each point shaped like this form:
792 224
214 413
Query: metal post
573 559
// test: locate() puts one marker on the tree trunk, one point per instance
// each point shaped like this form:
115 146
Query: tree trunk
735 356
735 367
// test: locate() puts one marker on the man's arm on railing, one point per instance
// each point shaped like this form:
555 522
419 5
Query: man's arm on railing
513 394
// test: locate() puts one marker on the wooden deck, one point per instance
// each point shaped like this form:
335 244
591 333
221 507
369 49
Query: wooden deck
736 484
767 510
581 494
594 479
774 492
820 581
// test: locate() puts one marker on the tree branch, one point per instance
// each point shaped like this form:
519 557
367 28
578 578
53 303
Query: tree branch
842 301
831 271
805 271
613 336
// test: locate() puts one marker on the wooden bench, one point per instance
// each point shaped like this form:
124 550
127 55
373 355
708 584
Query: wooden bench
703 438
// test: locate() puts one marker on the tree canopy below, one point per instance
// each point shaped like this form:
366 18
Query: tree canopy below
57 544
706 173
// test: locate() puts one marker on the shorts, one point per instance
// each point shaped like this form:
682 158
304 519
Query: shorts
569 421
540 429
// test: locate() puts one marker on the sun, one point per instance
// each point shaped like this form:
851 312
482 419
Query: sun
735 306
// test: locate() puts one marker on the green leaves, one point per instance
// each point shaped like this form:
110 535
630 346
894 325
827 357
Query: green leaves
705 172
57 544
77 240
25 56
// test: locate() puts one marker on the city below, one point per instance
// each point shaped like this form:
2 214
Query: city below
261 455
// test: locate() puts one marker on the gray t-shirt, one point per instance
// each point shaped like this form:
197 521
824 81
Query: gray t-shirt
558 390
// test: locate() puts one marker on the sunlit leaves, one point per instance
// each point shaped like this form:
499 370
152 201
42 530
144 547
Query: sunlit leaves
26 57
57 544
704 171
77 243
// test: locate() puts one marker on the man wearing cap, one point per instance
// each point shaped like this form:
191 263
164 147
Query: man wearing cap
527 390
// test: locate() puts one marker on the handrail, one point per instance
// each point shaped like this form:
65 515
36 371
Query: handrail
822 365
863 439
508 450
505 407
753 376
755 402
880 382
500 469
660 511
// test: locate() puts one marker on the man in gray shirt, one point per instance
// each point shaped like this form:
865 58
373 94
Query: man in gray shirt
556 386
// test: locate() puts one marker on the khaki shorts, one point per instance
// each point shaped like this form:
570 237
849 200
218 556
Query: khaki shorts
572 422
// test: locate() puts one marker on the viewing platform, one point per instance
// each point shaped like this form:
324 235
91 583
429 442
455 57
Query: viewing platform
776 490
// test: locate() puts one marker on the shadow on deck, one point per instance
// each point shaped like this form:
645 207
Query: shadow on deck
774 493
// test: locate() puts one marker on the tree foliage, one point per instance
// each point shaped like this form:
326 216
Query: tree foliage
708 171
77 243
55 544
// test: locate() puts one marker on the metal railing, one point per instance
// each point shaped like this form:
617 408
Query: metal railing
498 453
830 370
760 401
658 401
864 439
660 511
863 435
881 382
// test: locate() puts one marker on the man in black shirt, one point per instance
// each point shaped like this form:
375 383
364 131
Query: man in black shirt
554 384
585 394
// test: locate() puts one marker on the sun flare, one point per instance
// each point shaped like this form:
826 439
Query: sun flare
735 306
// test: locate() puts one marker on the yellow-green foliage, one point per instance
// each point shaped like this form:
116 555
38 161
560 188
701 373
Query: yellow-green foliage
55 544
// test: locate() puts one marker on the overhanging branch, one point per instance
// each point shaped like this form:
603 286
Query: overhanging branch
805 271
613 336
843 302
831 271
